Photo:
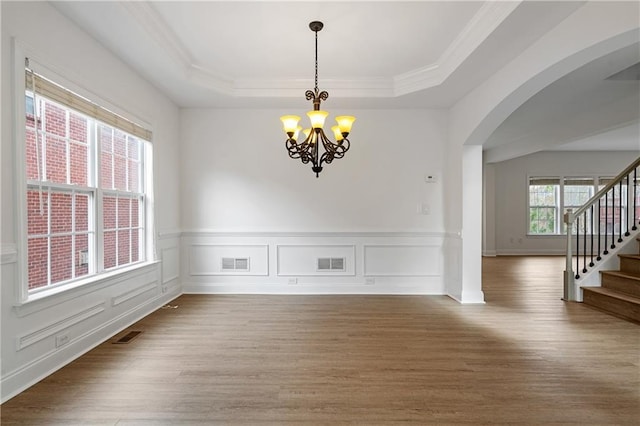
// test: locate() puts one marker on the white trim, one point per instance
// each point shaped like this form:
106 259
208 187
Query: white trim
8 254
169 234
347 288
189 233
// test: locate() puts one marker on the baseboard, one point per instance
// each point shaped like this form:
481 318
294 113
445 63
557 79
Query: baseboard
530 252
426 287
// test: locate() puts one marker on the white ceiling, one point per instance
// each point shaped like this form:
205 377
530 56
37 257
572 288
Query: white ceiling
372 54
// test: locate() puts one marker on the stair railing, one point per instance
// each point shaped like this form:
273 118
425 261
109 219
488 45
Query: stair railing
611 209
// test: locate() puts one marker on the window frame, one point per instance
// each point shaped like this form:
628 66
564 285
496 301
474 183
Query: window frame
147 242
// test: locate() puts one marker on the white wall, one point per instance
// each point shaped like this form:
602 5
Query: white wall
511 191
87 315
240 188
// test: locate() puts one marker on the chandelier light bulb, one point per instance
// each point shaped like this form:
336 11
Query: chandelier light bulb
345 122
317 118
290 123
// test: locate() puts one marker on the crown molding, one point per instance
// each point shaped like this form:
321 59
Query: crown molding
481 25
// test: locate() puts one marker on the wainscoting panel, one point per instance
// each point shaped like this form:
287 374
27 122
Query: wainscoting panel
170 260
314 262
302 260
402 260
207 259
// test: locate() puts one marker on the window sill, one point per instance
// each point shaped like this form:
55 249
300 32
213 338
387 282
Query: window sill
50 297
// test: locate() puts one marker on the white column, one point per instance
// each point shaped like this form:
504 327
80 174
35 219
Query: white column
472 225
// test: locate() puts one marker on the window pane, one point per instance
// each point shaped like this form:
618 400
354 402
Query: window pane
135 245
37 217
109 212
134 176
542 195
61 259
56 159
542 220
123 247
109 248
78 159
124 219
55 119
82 261
134 148
61 213
78 128
135 212
82 212
105 136
120 173
37 262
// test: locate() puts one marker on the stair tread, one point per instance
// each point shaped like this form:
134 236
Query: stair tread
622 275
630 256
613 293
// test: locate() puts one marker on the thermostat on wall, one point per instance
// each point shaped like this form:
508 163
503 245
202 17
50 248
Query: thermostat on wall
430 178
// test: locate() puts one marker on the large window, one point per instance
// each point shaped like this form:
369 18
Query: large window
85 189
551 197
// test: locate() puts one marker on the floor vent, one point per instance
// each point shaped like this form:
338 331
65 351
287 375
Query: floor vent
127 338
331 263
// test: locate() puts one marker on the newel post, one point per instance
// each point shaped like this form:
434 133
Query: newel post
569 287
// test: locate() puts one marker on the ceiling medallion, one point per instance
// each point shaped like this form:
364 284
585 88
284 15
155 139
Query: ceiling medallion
308 151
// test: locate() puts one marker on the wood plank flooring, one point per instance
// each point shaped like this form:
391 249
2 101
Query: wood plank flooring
525 357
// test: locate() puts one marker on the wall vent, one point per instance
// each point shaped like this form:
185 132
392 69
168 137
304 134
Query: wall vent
235 264
331 263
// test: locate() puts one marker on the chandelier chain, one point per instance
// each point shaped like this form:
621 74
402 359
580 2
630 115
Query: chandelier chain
316 86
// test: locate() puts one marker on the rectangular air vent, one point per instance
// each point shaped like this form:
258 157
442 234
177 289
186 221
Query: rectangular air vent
127 337
235 264
331 263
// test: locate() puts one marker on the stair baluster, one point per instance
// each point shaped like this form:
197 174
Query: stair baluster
606 221
635 198
620 212
584 243
592 238
599 228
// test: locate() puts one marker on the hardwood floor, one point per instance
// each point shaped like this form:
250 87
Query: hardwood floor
525 357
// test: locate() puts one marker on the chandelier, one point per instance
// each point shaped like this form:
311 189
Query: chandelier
308 151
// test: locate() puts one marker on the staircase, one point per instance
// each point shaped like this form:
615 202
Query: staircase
619 293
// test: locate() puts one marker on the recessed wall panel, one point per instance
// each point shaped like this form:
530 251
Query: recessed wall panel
206 259
302 260
402 260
